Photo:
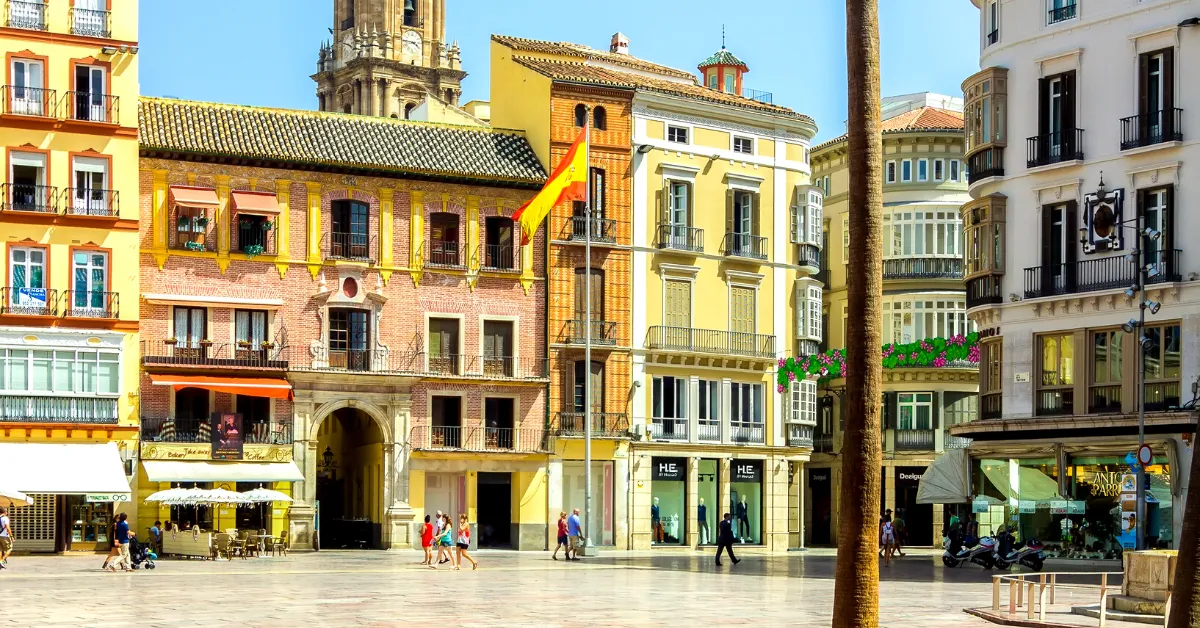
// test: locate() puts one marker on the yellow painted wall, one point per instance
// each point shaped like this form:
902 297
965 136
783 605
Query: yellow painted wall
529 496
656 129
710 138
520 100
794 152
766 148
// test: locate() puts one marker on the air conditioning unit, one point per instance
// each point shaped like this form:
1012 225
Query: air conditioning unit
639 431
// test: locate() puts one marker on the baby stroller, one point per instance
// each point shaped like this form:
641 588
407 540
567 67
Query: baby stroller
140 553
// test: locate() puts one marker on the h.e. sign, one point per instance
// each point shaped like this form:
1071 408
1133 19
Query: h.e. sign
672 469
746 471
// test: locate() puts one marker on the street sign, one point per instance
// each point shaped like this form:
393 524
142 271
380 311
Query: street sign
1145 456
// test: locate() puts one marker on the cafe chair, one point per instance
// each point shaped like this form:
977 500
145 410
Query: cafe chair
280 545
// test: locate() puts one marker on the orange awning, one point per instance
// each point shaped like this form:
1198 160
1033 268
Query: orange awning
276 388
258 203
194 197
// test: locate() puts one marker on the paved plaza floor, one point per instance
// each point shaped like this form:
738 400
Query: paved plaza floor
375 588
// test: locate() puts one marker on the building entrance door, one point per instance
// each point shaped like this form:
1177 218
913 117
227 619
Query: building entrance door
350 486
820 487
918 518
495 509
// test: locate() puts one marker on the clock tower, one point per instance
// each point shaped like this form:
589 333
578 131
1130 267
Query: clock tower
387 57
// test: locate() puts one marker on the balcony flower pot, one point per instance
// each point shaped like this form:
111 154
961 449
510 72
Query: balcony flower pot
243 344
268 225
193 246
170 342
206 343
202 222
267 344
184 223
253 251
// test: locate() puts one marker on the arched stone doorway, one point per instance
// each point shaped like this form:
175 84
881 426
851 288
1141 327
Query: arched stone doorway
351 478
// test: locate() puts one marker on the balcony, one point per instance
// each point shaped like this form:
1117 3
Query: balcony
915 440
680 238
1105 399
806 347
808 255
759 95
92 107
206 355
708 431
951 441
1054 402
464 366
1148 129
604 424
26 197
90 22
1105 273
985 164
669 429
993 37
88 304
923 268
26 14
90 202
1062 14
747 432
991 405
604 230
823 443
57 409
501 258
485 367
799 435
745 245
478 438
603 332
444 254
1162 396
984 290
1054 148
27 101
351 247
710 341
166 429
28 301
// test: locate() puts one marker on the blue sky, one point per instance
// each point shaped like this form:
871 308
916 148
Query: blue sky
261 52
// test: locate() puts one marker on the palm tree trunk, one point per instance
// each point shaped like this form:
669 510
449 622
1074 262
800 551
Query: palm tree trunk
1185 597
856 589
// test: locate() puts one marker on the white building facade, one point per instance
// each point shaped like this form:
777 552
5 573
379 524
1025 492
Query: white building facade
1079 121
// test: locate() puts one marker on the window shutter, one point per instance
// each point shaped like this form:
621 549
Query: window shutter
1047 270
755 207
889 411
1168 103
1143 90
1068 81
1070 246
666 205
1168 236
936 419
729 213
1043 107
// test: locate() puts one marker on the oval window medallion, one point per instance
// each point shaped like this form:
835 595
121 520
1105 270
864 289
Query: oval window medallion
350 288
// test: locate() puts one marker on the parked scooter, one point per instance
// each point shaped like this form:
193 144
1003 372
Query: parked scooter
1030 555
981 554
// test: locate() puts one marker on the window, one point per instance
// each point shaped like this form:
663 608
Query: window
713 81
28 94
891 172
991 378
1058 248
596 393
191 227
954 164
960 407
939 169
89 282
729 84
256 417
348 233
984 235
906 171
89 101
922 170
27 280
806 220
65 371
600 119
253 233
1061 10
498 351
582 290
922 233
1162 363
743 145
191 326
1157 214
677 310
250 329
91 196
500 249
814 312
1056 120
27 182
669 407
912 319
581 115
803 402
808 310
915 411
846 240
709 410
677 134
745 405
1106 371
443 239
741 310
1158 120
444 350
349 335
1056 377
993 22
679 204
597 198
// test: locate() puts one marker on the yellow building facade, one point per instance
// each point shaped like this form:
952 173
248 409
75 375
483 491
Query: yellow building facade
923 299
69 225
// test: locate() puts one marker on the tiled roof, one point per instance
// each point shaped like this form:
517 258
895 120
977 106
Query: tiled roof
578 72
722 57
334 139
583 53
917 120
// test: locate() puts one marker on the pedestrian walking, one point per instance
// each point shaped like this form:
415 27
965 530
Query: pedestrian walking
444 542
463 543
115 549
725 539
886 517
439 527
427 541
574 535
562 537
901 531
122 538
6 538
887 541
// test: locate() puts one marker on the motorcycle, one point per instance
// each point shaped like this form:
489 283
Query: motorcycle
1031 554
980 554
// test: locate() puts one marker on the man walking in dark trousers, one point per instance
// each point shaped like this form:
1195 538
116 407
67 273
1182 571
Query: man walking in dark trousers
725 539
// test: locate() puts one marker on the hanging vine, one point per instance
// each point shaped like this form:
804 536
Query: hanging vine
927 353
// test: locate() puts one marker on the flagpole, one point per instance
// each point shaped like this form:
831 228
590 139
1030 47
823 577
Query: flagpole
587 343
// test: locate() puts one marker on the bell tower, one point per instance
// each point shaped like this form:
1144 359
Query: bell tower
387 57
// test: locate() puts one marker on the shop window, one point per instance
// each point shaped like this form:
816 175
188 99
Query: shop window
745 500
1161 360
1096 525
708 508
668 495
1023 493
600 519
1107 371
1056 376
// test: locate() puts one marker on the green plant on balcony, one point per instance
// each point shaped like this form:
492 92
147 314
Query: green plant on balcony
245 223
927 353
267 344
267 225
243 344
170 342
184 223
193 246
202 222
253 250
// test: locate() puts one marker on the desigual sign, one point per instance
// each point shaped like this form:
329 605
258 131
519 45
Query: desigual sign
668 469
910 476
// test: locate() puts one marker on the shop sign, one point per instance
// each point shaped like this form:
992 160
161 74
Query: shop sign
746 471
668 469
1106 484
818 477
107 497
1027 506
175 451
911 477
226 436
267 453
980 505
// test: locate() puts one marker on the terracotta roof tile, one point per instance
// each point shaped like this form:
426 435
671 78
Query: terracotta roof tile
917 120
578 51
298 136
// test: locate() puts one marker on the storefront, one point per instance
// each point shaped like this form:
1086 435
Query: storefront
820 491
746 500
600 521
668 510
918 517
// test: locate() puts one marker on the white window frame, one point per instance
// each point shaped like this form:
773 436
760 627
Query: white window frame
687 134
757 413
79 385
680 394
913 402
911 318
815 216
27 96
906 171
89 267
889 171
813 315
33 160
845 239
955 170
28 264
922 170
733 144
709 399
939 169
85 203
905 232
803 406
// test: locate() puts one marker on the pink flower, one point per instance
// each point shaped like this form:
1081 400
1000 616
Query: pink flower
791 376
779 388
781 363
901 357
914 355
939 361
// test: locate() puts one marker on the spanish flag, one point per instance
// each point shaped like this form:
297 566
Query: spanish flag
568 182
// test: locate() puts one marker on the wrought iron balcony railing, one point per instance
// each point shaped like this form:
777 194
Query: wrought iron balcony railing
501 257
823 443
19 100
923 268
90 22
603 332
991 405
444 254
604 230
993 37
26 197
91 304
1063 13
669 429
26 14
747 432
604 424
57 409
29 301
986 163
984 290
745 245
183 429
799 435
711 341
915 440
1089 275
1155 127
708 431
478 438
418 364
809 255
1053 148
171 353
355 247
680 238
90 202
1105 399
92 107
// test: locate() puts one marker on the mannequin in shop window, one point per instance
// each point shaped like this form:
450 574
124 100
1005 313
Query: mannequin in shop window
702 517
656 522
743 517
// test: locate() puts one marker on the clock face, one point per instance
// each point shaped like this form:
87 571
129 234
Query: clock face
411 44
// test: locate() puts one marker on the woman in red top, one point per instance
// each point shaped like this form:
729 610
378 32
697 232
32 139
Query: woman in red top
562 536
427 541
463 542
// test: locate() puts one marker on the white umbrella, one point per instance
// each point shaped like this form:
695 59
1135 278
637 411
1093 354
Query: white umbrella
266 495
11 498
167 496
194 496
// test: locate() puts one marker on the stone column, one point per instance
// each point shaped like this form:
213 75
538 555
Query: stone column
622 519
371 102
801 476
385 100
386 225
691 518
160 221
313 236
301 513
398 516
